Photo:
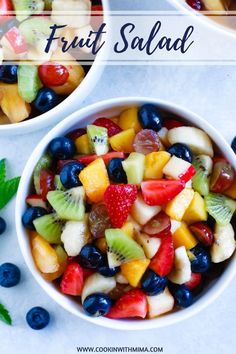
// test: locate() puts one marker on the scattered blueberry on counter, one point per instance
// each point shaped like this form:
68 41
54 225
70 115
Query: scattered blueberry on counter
9 275
37 318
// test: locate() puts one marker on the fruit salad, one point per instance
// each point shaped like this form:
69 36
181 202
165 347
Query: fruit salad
27 91
132 215
212 5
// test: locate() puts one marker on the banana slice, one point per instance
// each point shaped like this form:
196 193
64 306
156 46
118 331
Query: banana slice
216 5
195 138
224 243
97 283
74 236
182 272
81 19
160 304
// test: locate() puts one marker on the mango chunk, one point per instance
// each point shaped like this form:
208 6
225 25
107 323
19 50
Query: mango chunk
129 119
196 210
123 141
154 164
82 145
133 271
177 207
183 237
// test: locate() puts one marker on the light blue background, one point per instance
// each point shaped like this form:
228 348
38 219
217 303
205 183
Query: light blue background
208 91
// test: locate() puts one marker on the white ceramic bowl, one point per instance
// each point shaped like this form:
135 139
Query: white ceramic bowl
81 119
221 25
69 105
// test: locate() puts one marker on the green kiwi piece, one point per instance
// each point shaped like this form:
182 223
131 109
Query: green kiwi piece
121 248
49 227
69 205
36 30
98 139
25 8
220 208
201 180
134 167
43 164
28 82
57 183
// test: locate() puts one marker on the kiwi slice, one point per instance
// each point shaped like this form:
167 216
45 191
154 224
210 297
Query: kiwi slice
49 227
98 139
220 208
24 8
57 183
134 167
43 164
121 248
36 30
28 82
69 205
201 180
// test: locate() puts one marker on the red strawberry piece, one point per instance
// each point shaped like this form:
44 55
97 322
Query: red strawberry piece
16 40
62 163
112 128
203 233
159 192
36 200
163 260
87 159
194 281
172 123
119 200
185 177
46 182
73 280
159 226
131 304
76 133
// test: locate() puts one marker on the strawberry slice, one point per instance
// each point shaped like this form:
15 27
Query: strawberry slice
163 260
172 123
159 192
119 200
194 281
131 304
73 280
186 176
86 160
112 128
16 40
46 182
36 200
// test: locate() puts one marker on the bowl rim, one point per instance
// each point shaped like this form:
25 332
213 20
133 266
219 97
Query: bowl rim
81 92
182 5
76 119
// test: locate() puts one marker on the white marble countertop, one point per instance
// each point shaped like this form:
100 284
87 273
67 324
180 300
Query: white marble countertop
208 91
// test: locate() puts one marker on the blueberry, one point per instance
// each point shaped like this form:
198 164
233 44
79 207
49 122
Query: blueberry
90 257
8 74
153 284
69 175
182 151
183 296
3 226
105 270
62 148
150 117
46 99
97 304
37 318
200 260
9 275
30 215
233 145
116 171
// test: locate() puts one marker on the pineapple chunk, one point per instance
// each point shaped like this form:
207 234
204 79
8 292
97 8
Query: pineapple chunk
128 229
177 207
12 104
82 145
123 141
196 210
154 164
183 237
129 119
141 212
133 271
216 5
134 167
95 180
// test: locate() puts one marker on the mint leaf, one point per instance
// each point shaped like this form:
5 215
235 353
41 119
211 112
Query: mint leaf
4 315
2 170
8 190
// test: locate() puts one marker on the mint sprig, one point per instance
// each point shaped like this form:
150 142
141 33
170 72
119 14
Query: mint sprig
5 316
7 188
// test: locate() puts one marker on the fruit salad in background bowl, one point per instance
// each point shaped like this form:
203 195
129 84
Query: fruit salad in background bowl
125 213
210 9
36 95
